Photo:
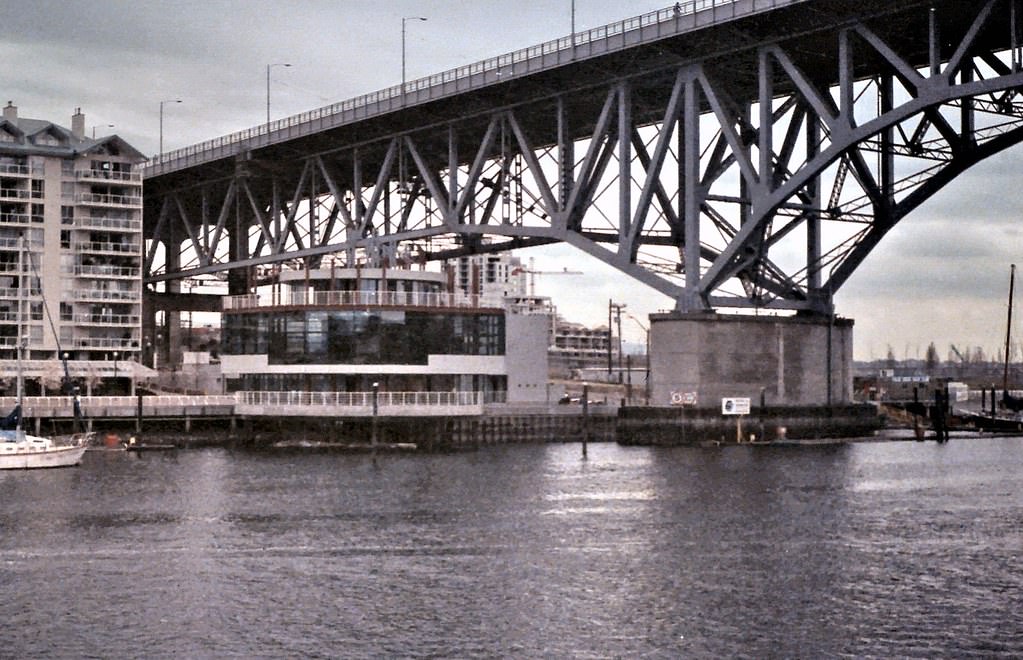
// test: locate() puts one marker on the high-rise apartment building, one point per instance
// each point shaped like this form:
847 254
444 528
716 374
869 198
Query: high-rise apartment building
70 246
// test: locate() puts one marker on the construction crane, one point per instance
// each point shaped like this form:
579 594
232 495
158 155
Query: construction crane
962 360
533 273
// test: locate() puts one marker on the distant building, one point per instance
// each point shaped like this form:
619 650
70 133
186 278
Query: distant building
493 277
501 279
70 234
575 346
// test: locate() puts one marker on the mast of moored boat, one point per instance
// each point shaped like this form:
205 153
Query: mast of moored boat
1008 331
20 339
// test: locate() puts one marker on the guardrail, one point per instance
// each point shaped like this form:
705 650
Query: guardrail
282 404
359 404
679 18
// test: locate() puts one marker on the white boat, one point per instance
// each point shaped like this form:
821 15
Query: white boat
21 451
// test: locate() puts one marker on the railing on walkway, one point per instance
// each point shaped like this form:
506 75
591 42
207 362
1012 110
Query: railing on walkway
359 404
682 17
298 404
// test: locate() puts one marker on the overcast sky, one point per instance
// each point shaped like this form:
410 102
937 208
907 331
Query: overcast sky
941 275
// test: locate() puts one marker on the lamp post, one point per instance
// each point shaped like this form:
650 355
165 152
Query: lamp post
268 67
100 126
161 120
646 330
403 21
115 368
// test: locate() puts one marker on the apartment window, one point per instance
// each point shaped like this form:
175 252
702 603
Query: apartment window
67 215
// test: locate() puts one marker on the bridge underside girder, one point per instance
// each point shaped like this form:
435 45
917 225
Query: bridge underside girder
754 164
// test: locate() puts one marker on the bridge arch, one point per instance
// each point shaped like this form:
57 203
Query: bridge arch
746 157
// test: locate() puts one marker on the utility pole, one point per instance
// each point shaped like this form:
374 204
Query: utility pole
615 309
610 304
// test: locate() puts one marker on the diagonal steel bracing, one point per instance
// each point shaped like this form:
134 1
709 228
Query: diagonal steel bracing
722 171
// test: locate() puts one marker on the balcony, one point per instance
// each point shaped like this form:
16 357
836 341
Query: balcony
14 293
107 271
106 319
107 176
20 170
101 199
109 246
100 295
104 343
16 244
15 218
123 224
15 193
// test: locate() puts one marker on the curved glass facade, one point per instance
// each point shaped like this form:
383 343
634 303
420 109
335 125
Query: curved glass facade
320 336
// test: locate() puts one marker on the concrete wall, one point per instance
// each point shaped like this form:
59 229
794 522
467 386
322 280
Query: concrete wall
525 345
715 356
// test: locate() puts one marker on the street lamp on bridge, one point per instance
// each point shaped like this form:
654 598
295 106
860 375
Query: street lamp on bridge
100 126
404 19
268 67
161 120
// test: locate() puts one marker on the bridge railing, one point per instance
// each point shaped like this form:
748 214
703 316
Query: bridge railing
678 18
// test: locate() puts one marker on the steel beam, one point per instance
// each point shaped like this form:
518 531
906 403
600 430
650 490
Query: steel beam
723 153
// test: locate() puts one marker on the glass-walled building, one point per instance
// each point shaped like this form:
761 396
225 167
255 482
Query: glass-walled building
342 330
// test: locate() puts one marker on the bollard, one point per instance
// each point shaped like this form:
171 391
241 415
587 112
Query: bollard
373 433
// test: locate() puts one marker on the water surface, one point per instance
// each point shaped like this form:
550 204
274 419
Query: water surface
869 549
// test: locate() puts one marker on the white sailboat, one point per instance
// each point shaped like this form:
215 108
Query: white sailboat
20 450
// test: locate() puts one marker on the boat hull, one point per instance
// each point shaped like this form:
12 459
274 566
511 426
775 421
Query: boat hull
29 455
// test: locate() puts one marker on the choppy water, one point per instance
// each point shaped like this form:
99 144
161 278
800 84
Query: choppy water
875 549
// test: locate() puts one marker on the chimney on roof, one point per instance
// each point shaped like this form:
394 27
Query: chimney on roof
78 124
11 112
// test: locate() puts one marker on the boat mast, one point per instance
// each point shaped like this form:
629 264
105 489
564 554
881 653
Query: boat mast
1008 329
20 340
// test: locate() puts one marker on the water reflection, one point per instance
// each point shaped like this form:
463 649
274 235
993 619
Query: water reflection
865 549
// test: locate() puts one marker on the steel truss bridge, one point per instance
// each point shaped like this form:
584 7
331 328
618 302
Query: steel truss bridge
745 154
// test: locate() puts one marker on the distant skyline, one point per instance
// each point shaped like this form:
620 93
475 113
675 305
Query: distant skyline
941 275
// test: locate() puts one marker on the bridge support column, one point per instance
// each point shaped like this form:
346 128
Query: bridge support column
710 356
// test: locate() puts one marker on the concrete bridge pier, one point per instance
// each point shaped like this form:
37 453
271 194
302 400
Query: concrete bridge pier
700 358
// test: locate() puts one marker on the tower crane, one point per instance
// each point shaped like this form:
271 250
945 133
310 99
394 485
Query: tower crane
533 273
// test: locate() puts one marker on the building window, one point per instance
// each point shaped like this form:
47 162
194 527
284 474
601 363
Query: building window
362 337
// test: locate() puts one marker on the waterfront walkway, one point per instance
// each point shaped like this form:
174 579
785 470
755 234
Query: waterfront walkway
284 404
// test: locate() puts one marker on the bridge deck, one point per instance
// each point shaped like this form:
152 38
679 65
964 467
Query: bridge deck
500 71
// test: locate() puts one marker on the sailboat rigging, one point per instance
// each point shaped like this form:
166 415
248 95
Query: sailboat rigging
1009 402
21 450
